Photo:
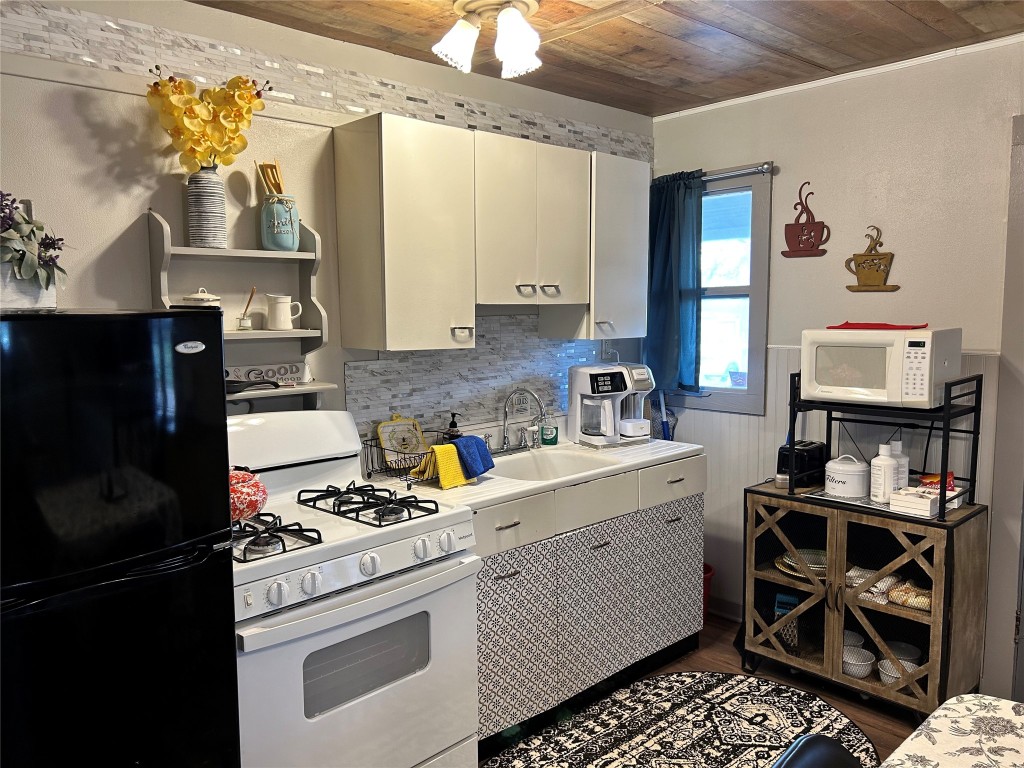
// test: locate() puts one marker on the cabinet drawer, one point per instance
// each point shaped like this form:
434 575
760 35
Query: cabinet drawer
580 505
675 480
515 523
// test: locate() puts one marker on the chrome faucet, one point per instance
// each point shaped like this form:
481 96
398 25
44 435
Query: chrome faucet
506 444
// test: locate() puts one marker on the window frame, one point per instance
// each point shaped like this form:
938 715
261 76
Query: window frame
750 401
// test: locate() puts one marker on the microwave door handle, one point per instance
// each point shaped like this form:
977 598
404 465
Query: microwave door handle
257 637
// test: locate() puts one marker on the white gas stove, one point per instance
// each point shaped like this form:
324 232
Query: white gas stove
324 528
352 600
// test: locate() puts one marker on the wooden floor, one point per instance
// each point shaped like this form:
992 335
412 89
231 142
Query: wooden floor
885 724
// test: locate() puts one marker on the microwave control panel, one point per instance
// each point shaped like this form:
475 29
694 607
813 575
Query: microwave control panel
916 376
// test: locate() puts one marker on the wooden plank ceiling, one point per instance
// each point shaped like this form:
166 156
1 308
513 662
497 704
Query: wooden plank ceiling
656 57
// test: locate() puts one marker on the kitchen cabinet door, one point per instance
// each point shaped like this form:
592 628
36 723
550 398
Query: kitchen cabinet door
563 225
619 232
405 196
669 573
532 222
506 219
597 600
519 656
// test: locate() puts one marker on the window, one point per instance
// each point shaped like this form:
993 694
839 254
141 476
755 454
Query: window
735 242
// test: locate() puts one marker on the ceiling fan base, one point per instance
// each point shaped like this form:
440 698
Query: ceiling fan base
488 9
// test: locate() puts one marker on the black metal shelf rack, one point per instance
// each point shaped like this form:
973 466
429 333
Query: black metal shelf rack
961 399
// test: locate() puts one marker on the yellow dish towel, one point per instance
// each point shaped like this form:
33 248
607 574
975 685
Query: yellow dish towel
444 459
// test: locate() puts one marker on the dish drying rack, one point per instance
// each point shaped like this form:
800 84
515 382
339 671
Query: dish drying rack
378 460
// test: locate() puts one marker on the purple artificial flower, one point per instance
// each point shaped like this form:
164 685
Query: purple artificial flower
49 249
8 206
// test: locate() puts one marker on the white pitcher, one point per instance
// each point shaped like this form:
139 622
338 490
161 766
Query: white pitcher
279 312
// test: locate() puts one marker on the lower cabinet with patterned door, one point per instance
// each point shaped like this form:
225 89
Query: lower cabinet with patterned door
558 615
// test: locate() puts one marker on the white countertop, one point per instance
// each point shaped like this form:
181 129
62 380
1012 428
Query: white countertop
490 489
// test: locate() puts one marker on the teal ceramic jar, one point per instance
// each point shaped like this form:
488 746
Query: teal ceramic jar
280 223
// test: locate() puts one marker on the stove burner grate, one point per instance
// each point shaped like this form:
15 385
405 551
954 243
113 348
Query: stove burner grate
265 535
368 504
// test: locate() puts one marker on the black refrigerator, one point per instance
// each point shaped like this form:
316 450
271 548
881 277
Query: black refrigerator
117 643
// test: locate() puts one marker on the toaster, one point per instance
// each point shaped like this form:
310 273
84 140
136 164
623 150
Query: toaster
809 462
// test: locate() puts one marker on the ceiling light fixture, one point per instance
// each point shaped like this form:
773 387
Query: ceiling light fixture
516 44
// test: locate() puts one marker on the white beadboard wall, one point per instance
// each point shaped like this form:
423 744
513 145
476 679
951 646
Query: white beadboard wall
743 450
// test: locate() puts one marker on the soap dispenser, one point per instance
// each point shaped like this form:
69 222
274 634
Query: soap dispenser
453 428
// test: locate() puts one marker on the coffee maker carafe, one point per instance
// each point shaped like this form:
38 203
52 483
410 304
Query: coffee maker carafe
596 393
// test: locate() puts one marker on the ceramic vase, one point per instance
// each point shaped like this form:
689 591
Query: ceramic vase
24 294
207 210
279 220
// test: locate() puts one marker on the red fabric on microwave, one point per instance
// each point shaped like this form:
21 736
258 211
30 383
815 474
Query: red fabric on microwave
848 326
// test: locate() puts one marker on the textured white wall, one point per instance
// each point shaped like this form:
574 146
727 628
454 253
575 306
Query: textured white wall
920 152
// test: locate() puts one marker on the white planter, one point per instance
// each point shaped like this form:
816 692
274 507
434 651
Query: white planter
24 294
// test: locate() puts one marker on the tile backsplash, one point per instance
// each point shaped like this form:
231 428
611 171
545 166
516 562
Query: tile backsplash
429 385
93 40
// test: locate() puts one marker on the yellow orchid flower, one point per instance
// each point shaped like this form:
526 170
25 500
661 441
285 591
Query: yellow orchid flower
205 128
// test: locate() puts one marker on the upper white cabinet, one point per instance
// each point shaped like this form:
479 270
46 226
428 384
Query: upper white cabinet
620 225
532 222
620 194
405 199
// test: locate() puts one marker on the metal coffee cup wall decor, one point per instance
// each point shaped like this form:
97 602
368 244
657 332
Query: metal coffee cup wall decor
872 267
805 236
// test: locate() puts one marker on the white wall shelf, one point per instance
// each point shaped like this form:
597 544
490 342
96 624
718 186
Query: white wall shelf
174 266
299 389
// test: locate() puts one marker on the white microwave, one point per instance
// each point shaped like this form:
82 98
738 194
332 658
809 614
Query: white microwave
904 368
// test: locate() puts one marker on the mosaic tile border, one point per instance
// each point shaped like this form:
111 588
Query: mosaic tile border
105 42
428 385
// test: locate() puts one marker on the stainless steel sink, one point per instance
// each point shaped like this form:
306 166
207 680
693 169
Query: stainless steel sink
549 464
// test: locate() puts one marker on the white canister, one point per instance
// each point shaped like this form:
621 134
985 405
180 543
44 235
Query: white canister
201 298
847 476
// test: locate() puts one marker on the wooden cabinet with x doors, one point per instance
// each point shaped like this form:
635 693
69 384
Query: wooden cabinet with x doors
818 574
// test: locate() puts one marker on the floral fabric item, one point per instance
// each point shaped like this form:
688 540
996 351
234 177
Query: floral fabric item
911 595
966 731
877 592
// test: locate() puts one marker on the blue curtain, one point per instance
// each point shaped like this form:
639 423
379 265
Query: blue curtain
672 348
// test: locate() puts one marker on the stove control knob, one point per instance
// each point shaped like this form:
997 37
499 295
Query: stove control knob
369 564
422 548
312 583
446 541
277 593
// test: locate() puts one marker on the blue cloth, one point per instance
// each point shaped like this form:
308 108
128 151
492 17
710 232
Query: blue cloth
473 455
672 347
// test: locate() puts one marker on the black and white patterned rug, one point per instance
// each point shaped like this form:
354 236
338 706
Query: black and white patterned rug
688 720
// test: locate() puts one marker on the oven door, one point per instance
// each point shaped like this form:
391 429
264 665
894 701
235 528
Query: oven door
383 676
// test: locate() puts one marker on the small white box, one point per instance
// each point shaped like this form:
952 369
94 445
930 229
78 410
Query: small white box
921 501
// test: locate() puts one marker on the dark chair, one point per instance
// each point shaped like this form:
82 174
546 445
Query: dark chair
813 750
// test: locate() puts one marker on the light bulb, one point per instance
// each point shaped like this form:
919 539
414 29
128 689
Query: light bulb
520 65
456 47
517 43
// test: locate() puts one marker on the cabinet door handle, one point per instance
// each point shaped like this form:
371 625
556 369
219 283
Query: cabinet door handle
602 545
673 482
604 322
521 286
509 575
506 527
840 599
554 287
460 330
673 520
828 594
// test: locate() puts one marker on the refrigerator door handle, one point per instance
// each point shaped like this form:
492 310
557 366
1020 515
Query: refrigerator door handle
196 557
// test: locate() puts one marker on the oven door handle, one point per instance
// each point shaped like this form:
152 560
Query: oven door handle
387 595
